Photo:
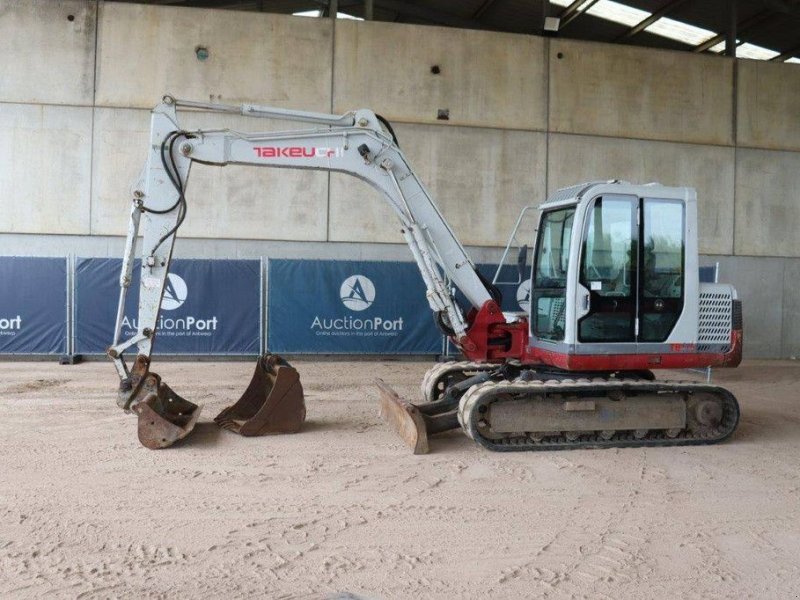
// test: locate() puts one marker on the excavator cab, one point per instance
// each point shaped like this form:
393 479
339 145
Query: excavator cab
616 273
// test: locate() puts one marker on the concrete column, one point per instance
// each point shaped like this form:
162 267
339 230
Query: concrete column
730 34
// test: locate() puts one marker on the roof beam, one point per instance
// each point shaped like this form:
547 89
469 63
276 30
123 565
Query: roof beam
576 14
787 54
783 6
487 4
427 14
571 8
256 4
742 27
645 23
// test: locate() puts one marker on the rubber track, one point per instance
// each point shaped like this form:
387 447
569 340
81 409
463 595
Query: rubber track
435 373
483 394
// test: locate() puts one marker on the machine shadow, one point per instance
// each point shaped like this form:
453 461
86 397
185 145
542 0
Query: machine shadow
451 442
765 426
205 433
312 425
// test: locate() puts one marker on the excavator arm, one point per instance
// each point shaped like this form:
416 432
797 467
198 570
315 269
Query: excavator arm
354 143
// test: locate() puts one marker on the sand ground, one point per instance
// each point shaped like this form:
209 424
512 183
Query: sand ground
86 512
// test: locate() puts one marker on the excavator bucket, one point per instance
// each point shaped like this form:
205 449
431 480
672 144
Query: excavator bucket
272 403
164 417
404 417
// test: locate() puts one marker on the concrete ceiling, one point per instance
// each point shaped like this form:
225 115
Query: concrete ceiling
771 24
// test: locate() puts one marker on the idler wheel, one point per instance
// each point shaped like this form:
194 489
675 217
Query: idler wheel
708 413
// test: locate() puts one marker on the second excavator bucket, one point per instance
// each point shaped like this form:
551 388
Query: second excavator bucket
164 417
272 403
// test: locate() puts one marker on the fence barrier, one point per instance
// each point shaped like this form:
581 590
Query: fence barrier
348 307
65 306
33 305
210 307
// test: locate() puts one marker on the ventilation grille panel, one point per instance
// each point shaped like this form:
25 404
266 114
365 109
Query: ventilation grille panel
714 319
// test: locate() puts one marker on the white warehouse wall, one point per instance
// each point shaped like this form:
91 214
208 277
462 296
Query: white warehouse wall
527 115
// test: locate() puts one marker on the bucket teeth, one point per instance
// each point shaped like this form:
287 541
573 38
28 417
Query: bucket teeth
404 417
273 402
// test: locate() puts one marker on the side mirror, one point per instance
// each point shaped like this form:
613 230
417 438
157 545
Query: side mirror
522 262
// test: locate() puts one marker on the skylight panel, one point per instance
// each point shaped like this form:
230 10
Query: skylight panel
629 16
619 13
668 28
748 50
718 48
316 13
682 32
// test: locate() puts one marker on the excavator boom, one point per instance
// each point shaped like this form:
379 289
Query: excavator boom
354 143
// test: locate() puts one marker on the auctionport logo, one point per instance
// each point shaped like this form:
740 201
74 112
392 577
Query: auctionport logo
175 292
524 295
10 325
357 292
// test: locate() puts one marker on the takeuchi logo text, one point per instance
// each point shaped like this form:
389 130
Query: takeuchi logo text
297 152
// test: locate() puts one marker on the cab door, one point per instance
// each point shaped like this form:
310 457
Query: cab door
608 270
663 257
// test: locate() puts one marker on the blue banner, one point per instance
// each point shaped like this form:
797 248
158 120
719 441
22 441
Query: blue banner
33 305
210 307
349 307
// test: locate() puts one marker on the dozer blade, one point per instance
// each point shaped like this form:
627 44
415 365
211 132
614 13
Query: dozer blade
164 417
272 403
404 418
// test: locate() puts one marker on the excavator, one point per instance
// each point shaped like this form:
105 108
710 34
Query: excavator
614 295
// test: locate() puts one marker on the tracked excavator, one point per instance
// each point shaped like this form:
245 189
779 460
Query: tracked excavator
614 294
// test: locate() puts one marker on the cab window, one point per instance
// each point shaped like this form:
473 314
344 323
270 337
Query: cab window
550 274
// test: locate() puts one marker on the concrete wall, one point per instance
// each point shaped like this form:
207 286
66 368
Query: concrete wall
526 116
574 158
767 202
628 92
510 164
45 168
769 105
48 57
145 51
485 79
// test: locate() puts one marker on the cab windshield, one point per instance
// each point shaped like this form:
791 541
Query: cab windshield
550 274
